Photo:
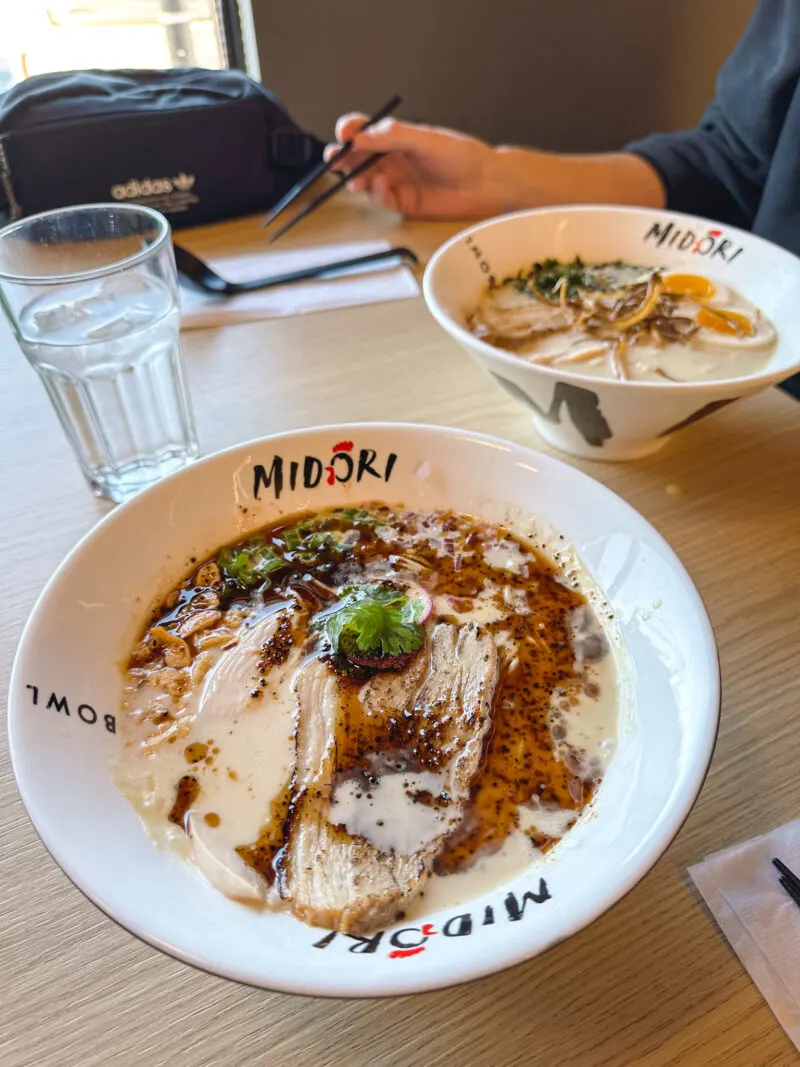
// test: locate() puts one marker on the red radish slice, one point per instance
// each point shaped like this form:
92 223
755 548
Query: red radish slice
414 591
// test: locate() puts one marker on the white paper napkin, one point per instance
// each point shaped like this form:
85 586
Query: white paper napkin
760 920
368 286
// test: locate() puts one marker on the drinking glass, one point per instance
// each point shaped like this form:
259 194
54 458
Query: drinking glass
91 293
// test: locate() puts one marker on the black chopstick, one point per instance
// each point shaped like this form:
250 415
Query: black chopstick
791 890
788 880
370 161
323 167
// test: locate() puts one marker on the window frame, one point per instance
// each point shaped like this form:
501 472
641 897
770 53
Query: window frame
237 31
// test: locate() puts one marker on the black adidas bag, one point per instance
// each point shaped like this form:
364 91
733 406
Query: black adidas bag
198 145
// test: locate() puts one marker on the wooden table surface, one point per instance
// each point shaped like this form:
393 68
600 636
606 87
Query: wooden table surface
653 982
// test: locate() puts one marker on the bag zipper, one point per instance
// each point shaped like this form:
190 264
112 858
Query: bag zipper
272 137
64 125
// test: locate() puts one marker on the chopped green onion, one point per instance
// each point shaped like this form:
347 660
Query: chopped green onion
249 565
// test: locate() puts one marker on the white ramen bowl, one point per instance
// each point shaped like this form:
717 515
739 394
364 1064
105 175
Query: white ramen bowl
66 692
592 417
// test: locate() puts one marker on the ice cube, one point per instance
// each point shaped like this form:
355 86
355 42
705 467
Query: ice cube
110 330
139 315
96 301
58 317
111 293
124 322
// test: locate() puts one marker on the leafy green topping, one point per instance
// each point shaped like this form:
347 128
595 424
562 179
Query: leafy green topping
373 620
304 543
358 516
551 275
249 565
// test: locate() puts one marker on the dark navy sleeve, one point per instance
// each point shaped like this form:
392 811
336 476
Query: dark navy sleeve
719 169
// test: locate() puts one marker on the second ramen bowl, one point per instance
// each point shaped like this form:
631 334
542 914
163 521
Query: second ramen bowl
598 418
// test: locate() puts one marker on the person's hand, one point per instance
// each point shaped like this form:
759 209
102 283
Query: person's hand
427 172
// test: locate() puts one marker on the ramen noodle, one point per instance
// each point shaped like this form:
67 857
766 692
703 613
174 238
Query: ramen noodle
615 320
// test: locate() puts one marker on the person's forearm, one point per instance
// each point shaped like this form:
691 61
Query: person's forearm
525 178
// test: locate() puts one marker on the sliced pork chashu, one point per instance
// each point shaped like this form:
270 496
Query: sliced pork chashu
382 776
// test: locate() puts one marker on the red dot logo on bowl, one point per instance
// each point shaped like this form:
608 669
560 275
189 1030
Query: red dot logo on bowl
402 953
709 235
343 446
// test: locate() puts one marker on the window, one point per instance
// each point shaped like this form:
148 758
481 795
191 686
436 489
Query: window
40 36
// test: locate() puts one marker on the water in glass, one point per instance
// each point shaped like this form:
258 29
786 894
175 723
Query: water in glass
107 350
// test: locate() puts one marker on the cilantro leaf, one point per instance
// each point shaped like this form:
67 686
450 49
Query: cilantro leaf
373 620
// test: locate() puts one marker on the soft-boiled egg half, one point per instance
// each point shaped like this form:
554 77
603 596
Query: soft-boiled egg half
725 319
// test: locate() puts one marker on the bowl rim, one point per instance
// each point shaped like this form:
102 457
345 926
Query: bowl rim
761 379
682 807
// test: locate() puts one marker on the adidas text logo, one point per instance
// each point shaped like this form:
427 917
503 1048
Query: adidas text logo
152 186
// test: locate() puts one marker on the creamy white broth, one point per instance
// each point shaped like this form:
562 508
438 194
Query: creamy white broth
722 334
249 749
246 742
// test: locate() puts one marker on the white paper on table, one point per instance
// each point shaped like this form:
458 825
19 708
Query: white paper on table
369 285
759 919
